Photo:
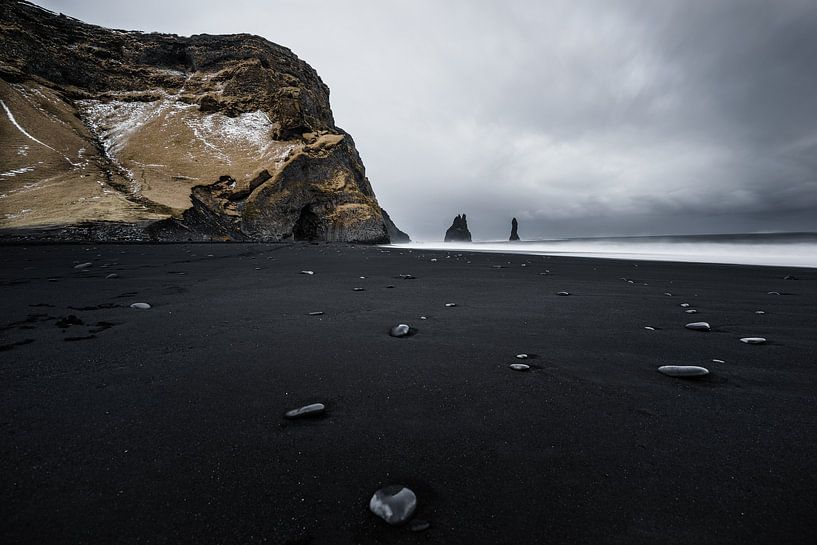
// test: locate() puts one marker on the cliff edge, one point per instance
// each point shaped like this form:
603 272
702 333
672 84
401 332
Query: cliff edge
111 135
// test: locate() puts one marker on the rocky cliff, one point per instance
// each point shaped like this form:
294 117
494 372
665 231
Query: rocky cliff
154 136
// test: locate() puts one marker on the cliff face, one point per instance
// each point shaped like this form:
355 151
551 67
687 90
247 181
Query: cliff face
161 136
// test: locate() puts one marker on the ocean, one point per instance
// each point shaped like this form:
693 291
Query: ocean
777 249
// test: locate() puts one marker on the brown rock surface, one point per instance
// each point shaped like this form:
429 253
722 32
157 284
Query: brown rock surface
170 137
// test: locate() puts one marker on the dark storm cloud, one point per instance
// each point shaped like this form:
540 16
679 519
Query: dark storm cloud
593 117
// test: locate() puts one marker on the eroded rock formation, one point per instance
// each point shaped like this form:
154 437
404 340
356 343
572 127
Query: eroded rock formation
156 136
514 227
458 232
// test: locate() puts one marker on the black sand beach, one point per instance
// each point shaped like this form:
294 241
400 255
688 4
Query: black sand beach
166 425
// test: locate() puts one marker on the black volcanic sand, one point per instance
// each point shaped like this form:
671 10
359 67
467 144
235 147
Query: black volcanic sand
166 425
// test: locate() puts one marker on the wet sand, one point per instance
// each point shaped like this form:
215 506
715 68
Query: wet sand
166 425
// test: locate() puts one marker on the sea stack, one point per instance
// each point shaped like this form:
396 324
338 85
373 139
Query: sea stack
514 227
458 232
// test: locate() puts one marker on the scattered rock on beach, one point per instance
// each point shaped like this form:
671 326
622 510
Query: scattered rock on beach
563 293
773 293
668 294
307 272
140 306
718 361
521 356
400 330
358 289
685 305
698 326
316 313
683 371
450 305
82 266
313 409
419 525
691 311
760 312
649 328
395 504
753 340
519 366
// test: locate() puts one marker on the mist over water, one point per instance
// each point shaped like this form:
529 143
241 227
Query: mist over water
778 249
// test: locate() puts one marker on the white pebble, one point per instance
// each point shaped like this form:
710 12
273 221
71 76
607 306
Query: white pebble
683 370
753 340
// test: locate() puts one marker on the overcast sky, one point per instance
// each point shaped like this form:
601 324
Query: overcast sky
576 117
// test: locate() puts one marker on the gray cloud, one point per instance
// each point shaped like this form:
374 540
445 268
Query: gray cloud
579 118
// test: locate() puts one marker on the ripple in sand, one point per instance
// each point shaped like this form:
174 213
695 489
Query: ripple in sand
400 330
519 366
140 306
684 371
753 340
307 410
395 504
82 266
698 326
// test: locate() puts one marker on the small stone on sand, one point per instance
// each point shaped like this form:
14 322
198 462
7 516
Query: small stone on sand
773 293
521 356
753 340
691 311
718 361
112 275
760 312
358 289
316 313
683 370
140 306
307 410
83 266
519 366
307 272
649 328
451 304
395 504
698 326
668 294
400 330
562 293
685 305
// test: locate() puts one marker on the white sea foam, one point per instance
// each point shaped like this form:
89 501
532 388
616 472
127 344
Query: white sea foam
779 250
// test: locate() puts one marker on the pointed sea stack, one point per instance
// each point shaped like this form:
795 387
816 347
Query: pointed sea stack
514 227
458 232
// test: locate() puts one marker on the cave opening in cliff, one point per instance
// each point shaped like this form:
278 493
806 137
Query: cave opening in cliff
307 226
